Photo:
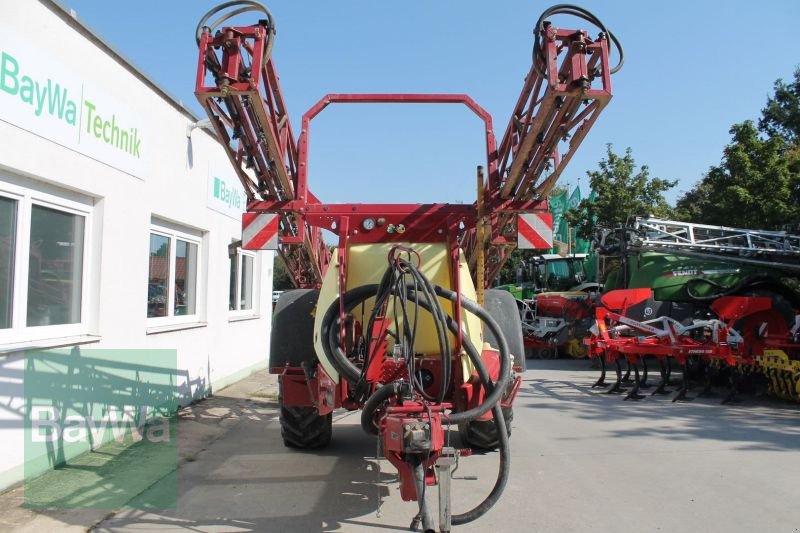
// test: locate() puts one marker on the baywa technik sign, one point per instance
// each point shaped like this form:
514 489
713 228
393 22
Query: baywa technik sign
225 193
47 99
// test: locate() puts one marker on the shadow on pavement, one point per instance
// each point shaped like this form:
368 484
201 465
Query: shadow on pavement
757 423
251 476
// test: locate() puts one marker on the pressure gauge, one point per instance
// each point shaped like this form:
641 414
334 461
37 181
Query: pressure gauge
368 224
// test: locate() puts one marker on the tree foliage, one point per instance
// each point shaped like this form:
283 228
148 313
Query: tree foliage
757 183
621 191
781 116
281 277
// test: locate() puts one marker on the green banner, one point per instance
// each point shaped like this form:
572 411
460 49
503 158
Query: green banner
582 246
558 206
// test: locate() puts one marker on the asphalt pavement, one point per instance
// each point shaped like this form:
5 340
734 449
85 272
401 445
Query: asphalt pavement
581 460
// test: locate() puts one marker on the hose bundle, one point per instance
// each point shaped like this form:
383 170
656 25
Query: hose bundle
569 9
405 284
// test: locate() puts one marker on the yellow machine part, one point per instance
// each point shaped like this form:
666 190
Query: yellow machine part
574 348
367 264
783 373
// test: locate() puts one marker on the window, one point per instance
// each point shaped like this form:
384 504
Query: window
8 231
43 264
55 267
240 295
159 276
173 274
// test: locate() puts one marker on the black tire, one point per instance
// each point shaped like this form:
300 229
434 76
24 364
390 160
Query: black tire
482 434
292 339
502 306
304 428
292 344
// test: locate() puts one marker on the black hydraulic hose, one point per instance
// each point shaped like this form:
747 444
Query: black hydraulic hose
569 9
243 6
439 319
504 469
505 355
492 400
330 322
722 290
378 397
495 390
352 373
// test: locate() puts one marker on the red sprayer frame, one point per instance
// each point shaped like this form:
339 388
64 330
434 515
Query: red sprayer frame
247 109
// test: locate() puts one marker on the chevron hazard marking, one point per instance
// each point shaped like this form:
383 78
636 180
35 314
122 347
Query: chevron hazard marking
259 231
535 231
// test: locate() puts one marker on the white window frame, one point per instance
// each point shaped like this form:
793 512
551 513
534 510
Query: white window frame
235 313
174 235
26 198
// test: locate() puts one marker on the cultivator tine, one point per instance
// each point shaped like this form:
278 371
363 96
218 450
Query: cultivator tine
775 382
681 396
643 382
787 384
669 374
708 374
661 388
617 386
633 394
602 379
735 379
627 377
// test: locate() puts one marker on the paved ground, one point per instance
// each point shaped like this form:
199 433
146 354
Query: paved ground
581 460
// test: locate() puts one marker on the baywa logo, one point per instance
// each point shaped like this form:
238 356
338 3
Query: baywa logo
227 195
51 99
48 426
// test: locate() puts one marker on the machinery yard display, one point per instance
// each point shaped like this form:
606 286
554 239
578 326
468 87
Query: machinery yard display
708 297
556 304
395 321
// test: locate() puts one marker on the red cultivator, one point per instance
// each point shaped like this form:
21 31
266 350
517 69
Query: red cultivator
745 336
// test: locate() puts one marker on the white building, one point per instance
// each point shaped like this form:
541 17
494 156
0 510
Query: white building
116 220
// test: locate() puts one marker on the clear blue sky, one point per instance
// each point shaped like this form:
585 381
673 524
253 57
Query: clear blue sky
692 69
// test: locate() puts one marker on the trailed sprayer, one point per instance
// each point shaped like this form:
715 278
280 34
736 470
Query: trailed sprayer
394 320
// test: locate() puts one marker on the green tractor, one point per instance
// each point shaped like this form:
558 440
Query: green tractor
553 273
555 296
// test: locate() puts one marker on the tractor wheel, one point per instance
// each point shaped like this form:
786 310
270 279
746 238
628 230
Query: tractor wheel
482 434
304 428
292 345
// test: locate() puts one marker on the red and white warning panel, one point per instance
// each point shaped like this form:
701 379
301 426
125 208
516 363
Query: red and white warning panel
259 231
535 231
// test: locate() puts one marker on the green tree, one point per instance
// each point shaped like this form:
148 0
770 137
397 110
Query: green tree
756 185
281 277
621 191
781 116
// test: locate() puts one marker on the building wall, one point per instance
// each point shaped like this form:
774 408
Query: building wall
46 157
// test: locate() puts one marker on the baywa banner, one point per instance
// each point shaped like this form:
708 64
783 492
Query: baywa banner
101 428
